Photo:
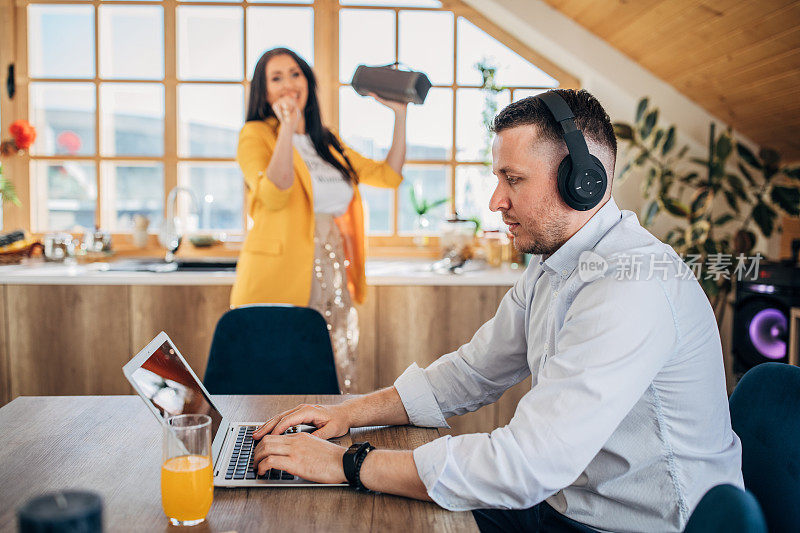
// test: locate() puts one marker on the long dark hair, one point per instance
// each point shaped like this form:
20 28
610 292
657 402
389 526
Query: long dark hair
259 109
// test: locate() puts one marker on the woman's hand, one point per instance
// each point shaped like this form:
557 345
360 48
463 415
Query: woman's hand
288 112
301 454
399 108
331 421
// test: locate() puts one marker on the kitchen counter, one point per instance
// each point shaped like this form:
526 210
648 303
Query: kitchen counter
379 272
69 329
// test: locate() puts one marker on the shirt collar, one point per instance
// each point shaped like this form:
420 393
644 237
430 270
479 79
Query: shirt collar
565 259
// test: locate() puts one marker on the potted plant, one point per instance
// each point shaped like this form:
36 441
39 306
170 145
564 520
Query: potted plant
421 208
719 203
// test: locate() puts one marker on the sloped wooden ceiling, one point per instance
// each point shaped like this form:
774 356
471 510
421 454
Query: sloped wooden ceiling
740 60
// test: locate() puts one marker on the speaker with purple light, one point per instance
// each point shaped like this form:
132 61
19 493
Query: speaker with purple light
761 316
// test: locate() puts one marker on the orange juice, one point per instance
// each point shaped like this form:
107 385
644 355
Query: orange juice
187 487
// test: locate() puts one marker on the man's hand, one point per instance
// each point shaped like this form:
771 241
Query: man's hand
331 421
303 455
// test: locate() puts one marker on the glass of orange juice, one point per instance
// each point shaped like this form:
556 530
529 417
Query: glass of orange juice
187 481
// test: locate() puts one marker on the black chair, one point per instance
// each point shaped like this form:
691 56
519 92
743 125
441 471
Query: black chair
727 509
765 413
271 349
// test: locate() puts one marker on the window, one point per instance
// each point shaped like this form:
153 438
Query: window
131 99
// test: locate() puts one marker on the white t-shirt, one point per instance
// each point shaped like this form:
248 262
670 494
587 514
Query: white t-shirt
332 191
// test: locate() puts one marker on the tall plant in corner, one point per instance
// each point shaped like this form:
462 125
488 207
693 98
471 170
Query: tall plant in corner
755 190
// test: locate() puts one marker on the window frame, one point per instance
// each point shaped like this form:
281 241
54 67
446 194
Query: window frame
13 49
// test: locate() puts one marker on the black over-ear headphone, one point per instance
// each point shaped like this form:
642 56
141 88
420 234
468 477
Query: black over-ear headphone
582 180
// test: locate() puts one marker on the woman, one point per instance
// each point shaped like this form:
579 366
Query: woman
302 194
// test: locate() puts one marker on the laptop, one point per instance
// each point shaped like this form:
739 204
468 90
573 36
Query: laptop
168 385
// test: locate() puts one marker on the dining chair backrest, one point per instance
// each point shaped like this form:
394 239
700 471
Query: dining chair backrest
271 349
765 414
727 509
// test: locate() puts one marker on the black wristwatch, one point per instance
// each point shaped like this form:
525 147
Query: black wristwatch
352 460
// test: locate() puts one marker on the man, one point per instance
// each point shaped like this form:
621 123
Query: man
626 425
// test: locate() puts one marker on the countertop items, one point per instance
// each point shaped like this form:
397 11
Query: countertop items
210 272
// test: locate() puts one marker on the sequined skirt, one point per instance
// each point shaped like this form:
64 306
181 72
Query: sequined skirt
330 296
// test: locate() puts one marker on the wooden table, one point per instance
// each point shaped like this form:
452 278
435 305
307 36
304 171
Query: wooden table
112 445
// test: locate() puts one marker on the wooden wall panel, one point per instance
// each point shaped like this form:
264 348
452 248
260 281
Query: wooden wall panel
67 339
5 376
419 324
366 369
188 314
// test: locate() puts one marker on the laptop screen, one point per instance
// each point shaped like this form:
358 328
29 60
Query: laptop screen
166 382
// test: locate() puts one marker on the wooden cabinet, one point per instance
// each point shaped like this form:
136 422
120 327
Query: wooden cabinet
74 339
187 313
66 339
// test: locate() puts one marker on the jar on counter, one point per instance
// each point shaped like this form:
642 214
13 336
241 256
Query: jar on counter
494 244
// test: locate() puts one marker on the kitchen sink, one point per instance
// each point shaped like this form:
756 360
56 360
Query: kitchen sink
179 265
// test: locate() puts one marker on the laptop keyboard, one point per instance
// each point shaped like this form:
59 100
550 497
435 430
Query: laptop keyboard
241 463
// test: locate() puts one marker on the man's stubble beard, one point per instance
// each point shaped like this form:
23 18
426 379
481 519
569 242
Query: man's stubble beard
550 237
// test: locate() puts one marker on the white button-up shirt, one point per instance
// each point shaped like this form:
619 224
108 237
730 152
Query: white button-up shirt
626 425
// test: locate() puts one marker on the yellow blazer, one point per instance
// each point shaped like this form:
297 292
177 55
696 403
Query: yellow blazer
278 252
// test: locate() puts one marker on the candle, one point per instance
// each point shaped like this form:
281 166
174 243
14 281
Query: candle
59 512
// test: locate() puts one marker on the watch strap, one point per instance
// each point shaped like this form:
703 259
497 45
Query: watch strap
352 460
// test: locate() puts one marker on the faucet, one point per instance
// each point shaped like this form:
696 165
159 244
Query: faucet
172 230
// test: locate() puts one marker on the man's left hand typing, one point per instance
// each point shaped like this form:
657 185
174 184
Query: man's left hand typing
303 455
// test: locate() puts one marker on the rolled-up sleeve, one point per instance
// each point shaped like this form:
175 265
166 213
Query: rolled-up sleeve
253 156
616 337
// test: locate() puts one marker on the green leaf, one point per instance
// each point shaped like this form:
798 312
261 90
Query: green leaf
748 156
624 171
438 202
649 122
414 203
764 217
639 161
649 212
746 174
8 192
731 198
648 181
669 142
793 173
640 108
723 147
675 207
623 131
701 201
690 177
702 162
657 138
787 198
770 157
724 219
683 152
736 185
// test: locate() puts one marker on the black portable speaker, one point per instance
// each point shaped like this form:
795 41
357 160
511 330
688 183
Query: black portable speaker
391 83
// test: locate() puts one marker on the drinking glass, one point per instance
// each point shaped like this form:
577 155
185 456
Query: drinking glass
187 481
